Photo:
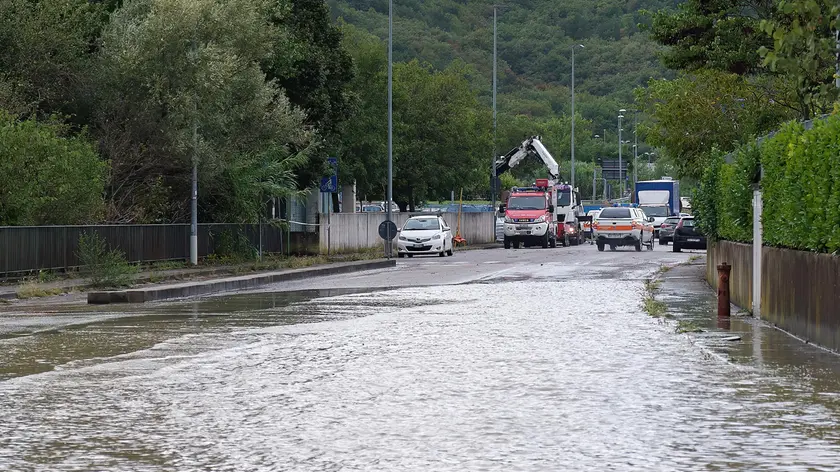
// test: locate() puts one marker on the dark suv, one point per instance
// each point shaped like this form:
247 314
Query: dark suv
686 235
666 230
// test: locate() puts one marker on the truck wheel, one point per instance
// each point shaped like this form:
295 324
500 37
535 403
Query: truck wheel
507 243
638 246
545 241
601 247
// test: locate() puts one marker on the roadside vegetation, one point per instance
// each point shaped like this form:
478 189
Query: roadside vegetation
650 304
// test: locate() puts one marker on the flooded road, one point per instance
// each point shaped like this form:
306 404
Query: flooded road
485 361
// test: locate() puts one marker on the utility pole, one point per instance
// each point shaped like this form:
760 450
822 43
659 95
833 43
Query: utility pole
635 149
493 160
573 111
390 198
194 198
620 177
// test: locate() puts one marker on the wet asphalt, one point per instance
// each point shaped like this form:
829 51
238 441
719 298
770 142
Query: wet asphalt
529 359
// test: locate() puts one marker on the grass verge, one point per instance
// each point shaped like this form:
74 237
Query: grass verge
33 290
687 326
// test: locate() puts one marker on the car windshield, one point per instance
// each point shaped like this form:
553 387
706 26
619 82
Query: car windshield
688 222
672 221
615 213
564 198
655 211
421 224
526 203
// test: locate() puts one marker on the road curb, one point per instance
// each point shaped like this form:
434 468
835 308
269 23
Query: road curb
192 289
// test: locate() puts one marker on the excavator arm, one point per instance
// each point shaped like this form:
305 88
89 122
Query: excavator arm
531 146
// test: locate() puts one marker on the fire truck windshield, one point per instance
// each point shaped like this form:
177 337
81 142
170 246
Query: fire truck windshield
536 202
564 198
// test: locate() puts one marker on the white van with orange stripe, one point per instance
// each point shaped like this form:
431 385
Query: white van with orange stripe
623 226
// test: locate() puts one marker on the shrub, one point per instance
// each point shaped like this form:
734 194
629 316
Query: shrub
101 266
233 246
800 186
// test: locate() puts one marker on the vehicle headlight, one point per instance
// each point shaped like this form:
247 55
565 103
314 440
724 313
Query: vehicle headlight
540 219
403 238
435 237
508 219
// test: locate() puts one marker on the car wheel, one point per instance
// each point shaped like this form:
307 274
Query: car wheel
677 248
441 253
612 247
566 242
638 246
601 247
451 251
663 242
507 243
516 244
552 242
545 241
410 255
400 255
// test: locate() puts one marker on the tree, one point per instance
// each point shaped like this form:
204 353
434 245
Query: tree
722 35
44 49
804 48
363 145
442 136
693 114
48 176
179 78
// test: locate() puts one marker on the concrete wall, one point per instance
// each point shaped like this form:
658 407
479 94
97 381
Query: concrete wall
800 290
351 231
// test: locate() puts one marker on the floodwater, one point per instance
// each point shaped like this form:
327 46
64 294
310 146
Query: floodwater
466 377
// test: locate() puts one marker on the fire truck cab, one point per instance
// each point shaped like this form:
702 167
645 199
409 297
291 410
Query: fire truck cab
529 216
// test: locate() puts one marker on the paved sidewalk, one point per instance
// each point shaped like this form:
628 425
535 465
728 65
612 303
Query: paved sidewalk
740 339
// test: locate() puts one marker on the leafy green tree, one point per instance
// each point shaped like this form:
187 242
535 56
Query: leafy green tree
180 78
804 48
722 35
47 175
442 136
44 53
693 114
363 145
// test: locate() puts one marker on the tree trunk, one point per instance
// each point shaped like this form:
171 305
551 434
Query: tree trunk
335 203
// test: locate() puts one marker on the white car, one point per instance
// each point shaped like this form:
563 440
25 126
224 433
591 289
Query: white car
623 226
424 235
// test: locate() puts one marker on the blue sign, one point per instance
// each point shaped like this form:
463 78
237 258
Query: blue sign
330 184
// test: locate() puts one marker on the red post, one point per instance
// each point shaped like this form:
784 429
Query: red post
723 289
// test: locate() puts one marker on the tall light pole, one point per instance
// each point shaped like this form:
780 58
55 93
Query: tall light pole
620 177
635 149
493 160
390 116
573 111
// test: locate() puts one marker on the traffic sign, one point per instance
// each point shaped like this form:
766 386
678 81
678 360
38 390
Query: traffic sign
329 184
387 230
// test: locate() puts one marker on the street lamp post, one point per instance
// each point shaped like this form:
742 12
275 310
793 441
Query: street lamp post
635 148
390 198
573 111
620 177
493 160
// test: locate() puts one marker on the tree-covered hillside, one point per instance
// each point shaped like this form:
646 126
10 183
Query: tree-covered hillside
534 46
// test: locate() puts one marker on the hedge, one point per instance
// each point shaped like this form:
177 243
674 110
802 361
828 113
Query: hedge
800 186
